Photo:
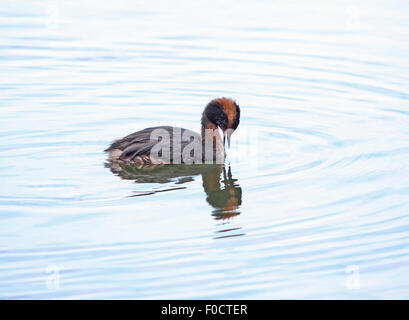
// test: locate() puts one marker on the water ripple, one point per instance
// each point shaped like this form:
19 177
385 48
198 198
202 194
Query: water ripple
314 186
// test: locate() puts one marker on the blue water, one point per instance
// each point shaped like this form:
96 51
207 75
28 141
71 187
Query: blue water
313 201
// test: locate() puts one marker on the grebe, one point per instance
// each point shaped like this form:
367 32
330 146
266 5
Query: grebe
173 145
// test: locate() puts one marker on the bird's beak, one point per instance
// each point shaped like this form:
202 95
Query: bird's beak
227 133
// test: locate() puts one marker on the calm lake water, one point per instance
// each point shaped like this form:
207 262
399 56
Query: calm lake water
313 201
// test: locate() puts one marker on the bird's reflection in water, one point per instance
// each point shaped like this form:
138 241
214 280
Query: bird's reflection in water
223 192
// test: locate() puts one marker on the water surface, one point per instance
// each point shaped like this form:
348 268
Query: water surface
312 201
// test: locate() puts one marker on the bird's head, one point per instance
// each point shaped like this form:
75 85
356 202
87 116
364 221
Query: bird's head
223 113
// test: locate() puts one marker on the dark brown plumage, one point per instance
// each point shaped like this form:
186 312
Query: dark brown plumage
137 147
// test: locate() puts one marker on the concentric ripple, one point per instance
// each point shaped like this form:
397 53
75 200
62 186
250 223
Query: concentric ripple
313 199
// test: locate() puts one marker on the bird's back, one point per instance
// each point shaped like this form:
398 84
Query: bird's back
139 146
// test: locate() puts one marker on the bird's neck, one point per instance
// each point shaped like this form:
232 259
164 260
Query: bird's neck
210 136
207 125
209 128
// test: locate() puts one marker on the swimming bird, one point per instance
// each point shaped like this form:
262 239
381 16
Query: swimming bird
174 145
